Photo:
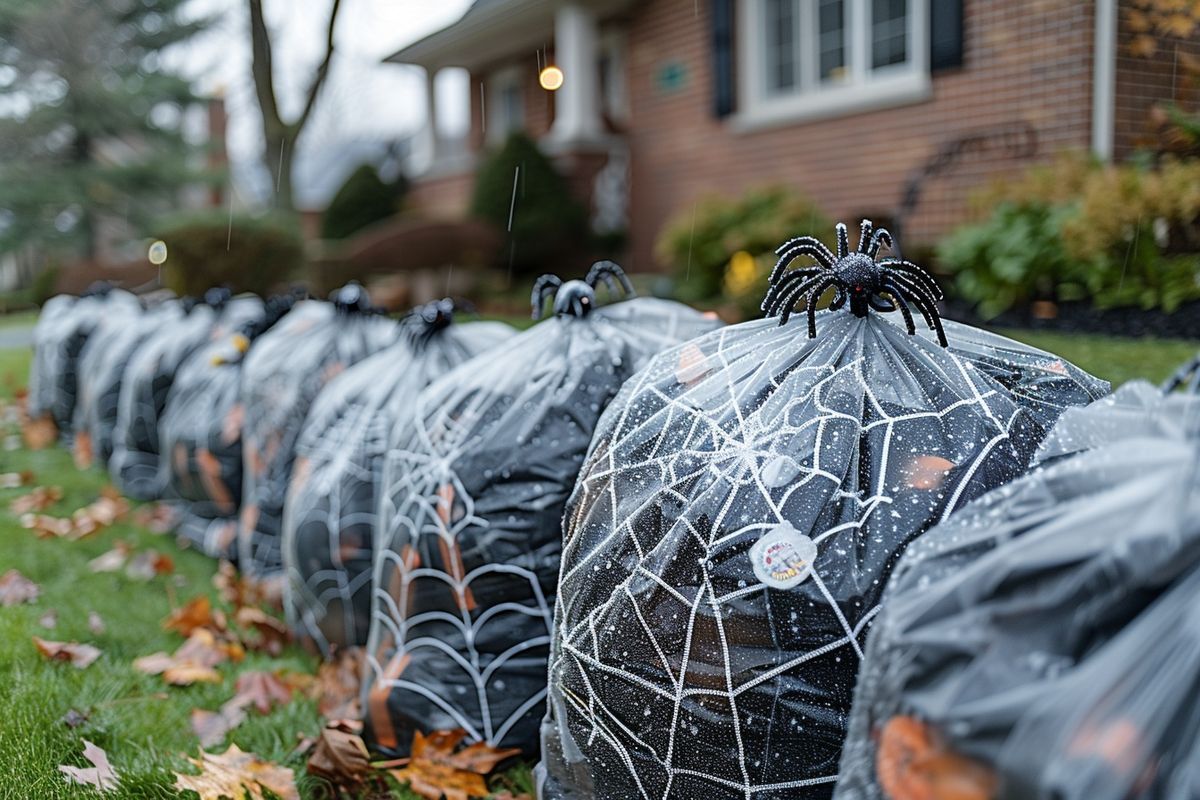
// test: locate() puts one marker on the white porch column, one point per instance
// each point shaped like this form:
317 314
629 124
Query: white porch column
577 104
432 137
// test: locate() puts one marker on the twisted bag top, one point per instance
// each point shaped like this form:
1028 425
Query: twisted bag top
742 504
1045 641
470 526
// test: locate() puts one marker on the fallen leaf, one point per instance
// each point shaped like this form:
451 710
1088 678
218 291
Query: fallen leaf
73 718
46 526
39 433
187 674
194 660
438 768
15 480
112 560
81 452
338 683
235 589
340 757
49 619
213 726
261 690
149 563
101 775
39 499
235 773
80 655
272 633
913 761
95 623
15 588
196 613
156 517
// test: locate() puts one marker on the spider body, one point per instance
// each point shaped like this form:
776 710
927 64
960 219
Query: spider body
856 277
576 298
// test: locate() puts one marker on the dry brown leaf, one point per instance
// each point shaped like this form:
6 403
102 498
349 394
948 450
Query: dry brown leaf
15 480
39 433
80 655
235 589
156 517
213 726
272 633
81 452
235 773
95 623
338 683
193 662
196 613
340 757
149 563
100 775
438 768
261 690
15 588
112 560
187 674
49 620
46 526
39 499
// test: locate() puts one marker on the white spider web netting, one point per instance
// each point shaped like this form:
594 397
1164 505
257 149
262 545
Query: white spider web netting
201 433
470 523
56 320
1044 642
136 465
283 373
329 518
743 502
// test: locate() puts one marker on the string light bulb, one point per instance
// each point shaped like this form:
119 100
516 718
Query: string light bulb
550 78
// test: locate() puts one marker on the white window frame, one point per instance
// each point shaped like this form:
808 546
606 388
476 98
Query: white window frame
497 83
865 89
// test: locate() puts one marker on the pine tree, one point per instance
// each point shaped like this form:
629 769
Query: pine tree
90 118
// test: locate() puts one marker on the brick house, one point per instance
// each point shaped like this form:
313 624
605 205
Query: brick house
893 108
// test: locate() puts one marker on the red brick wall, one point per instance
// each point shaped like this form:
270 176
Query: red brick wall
1142 83
442 196
1025 60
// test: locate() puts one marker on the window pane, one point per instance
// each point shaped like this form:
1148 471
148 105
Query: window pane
831 24
511 109
889 32
779 20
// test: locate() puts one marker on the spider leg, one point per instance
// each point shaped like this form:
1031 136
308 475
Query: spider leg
788 298
778 287
924 302
902 304
839 299
843 240
916 273
543 285
607 271
880 237
864 236
786 304
881 303
804 246
813 297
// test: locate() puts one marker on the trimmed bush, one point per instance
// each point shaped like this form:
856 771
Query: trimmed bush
362 200
699 245
251 255
548 225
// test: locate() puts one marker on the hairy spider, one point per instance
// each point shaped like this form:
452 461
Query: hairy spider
576 298
856 277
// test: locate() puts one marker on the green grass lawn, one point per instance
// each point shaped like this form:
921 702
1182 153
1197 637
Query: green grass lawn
18 319
141 723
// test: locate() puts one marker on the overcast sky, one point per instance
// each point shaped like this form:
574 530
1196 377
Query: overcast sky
363 97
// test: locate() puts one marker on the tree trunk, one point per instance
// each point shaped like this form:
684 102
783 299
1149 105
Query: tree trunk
87 223
279 153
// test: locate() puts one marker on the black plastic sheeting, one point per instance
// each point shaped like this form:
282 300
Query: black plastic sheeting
470 526
329 518
727 543
283 373
201 428
1045 642
137 466
102 369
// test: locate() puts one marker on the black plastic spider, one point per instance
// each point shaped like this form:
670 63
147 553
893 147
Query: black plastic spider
1187 377
577 298
856 277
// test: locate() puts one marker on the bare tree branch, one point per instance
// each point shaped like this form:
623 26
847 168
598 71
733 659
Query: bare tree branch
262 67
322 70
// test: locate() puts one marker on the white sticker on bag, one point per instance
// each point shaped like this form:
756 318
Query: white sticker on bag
783 557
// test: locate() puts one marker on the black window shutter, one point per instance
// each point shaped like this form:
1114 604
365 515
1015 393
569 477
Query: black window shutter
722 57
945 34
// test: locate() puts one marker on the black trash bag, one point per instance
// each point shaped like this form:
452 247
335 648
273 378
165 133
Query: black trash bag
1044 642
102 367
56 320
136 466
283 374
201 427
329 514
470 521
742 504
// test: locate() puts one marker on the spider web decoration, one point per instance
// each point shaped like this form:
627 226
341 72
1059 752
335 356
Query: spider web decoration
201 432
470 521
136 466
329 515
729 536
102 366
1045 641
284 371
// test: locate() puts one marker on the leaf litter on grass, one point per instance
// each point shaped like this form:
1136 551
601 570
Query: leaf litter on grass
15 588
100 775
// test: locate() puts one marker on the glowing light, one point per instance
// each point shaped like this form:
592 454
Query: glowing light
158 252
550 78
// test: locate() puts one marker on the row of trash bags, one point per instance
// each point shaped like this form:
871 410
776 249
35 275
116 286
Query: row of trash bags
657 551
